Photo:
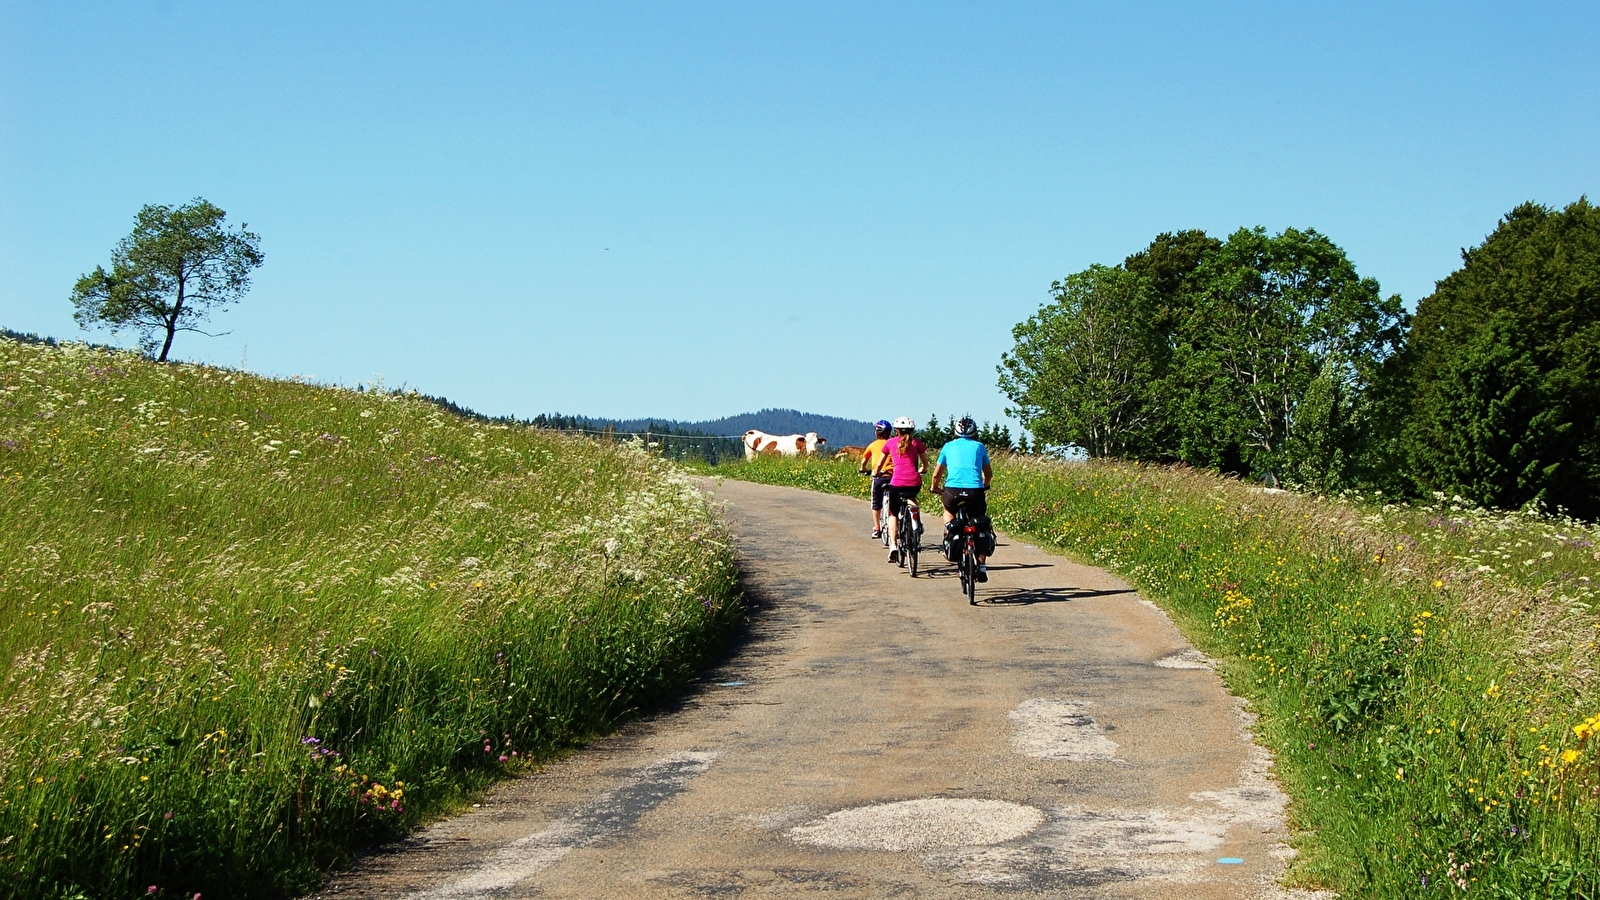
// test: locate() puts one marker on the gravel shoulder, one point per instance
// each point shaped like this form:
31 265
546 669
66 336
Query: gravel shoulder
872 735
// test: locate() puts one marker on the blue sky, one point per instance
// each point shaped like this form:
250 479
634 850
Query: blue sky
694 210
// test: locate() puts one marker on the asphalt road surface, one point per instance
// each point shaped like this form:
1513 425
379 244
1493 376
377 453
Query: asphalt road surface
873 735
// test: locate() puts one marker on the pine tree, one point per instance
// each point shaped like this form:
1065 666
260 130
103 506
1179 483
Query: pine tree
1505 381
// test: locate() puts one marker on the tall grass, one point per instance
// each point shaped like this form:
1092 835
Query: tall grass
251 624
1425 674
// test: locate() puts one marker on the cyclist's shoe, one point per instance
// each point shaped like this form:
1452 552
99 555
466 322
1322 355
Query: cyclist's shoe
894 555
877 533
983 573
918 520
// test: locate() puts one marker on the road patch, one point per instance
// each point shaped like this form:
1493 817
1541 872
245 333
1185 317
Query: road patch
1046 728
921 825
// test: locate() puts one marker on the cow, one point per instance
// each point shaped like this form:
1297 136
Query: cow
761 443
853 453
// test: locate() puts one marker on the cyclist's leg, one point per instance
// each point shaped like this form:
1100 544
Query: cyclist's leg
879 484
894 523
977 508
950 498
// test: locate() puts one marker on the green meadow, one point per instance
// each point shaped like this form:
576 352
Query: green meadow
1425 673
254 624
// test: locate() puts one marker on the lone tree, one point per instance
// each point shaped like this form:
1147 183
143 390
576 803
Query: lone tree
169 274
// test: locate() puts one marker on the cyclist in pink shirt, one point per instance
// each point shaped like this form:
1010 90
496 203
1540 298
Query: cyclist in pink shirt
908 458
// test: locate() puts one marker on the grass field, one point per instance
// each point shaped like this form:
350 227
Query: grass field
1425 674
252 624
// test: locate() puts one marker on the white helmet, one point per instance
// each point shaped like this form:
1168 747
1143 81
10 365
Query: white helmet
904 422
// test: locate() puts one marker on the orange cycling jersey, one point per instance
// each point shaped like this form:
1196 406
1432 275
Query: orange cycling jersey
876 451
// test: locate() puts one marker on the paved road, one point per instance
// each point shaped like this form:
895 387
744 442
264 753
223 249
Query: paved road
875 736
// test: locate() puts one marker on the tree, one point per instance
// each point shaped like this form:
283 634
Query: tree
1083 366
1505 366
177 266
1268 316
1170 264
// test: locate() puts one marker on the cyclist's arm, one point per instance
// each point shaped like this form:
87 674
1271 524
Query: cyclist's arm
937 484
988 475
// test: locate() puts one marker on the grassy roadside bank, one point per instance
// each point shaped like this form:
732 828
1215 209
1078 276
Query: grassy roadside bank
251 624
1426 676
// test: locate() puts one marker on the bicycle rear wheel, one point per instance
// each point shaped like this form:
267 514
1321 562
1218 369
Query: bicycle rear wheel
969 575
905 535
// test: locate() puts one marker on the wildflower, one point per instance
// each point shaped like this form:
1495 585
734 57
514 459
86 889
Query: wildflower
1568 757
1587 728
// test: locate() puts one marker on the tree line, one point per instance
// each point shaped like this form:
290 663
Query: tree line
1269 356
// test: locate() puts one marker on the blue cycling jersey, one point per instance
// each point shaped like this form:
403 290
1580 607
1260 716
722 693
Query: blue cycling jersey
963 460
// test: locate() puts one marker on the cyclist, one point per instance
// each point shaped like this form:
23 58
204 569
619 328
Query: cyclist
961 479
906 460
880 483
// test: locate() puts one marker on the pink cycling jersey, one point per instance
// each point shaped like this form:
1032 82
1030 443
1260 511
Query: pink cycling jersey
905 464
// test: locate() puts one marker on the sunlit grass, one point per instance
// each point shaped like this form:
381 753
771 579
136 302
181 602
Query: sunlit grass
251 624
1424 673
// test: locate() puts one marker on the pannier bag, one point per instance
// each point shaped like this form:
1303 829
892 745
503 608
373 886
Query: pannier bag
952 542
985 537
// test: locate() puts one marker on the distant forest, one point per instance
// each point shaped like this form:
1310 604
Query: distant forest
839 432
714 440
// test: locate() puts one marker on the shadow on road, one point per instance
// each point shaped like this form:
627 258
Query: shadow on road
1030 596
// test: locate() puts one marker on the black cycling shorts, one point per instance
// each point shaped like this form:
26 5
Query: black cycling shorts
975 500
880 484
899 495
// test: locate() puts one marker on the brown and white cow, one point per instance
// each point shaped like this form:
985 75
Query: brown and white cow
761 443
851 453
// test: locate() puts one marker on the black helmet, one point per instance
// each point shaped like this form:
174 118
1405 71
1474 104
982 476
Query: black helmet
965 427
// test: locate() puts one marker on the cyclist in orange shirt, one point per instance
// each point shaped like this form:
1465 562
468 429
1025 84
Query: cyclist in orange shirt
875 452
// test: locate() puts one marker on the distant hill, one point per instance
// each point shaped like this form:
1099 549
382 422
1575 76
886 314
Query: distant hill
839 432
711 440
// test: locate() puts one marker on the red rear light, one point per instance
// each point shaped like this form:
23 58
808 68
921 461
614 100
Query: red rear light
972 529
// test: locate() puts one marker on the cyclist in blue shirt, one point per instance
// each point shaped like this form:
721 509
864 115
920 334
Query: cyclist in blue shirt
961 478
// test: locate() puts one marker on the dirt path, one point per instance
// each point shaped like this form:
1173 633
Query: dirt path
875 736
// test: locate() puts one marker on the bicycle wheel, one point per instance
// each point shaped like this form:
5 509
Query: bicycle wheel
969 575
912 546
905 536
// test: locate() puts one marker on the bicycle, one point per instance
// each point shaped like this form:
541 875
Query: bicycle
965 530
906 538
